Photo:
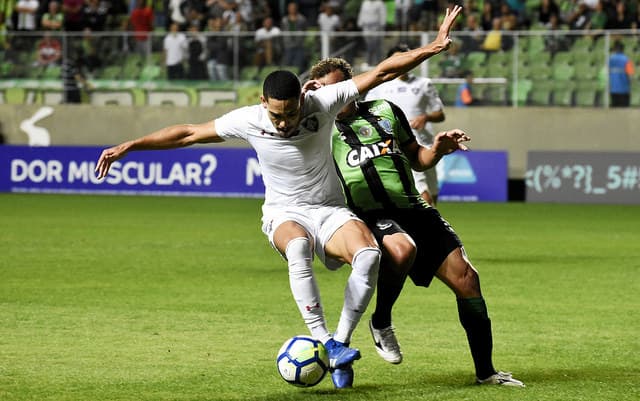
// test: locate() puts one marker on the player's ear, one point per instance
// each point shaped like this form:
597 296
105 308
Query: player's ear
263 100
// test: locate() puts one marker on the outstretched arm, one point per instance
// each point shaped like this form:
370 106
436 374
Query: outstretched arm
444 143
404 62
176 136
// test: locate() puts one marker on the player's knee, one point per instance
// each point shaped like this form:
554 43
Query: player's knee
299 255
467 281
400 255
366 261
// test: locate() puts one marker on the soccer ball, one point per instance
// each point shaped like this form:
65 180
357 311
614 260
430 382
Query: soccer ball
302 361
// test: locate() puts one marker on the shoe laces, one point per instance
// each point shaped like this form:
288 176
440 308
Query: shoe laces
388 338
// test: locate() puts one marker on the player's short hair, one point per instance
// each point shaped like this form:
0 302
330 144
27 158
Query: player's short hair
618 46
329 65
281 85
399 48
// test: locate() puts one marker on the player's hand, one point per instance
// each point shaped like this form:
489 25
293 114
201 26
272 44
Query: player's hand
107 157
447 142
443 39
419 122
311 85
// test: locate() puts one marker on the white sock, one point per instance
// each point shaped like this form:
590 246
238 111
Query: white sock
304 287
360 288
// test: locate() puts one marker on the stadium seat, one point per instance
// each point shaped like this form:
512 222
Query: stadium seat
563 72
522 91
562 96
582 45
540 93
52 72
495 95
474 59
110 72
150 72
561 58
585 70
585 97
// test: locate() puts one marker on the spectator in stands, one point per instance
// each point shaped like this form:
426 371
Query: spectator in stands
621 70
141 23
73 15
372 19
267 41
53 18
556 40
194 12
597 19
94 15
175 14
73 77
311 10
578 19
117 15
197 56
49 51
545 10
464 96
493 39
92 60
621 19
175 46
487 16
260 10
219 51
472 35
26 11
328 20
294 53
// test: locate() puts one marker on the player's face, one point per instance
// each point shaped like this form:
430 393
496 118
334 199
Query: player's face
284 114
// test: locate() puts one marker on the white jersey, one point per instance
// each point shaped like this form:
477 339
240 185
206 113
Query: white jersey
297 171
414 96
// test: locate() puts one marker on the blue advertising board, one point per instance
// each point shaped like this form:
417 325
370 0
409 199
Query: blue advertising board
231 172
475 176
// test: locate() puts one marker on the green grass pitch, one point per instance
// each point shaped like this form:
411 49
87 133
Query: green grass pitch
147 298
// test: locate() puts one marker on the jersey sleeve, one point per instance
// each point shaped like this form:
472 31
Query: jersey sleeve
234 124
332 98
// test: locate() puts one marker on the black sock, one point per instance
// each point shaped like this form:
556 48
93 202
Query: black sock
475 320
389 288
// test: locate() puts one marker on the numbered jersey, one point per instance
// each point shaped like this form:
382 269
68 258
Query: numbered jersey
375 174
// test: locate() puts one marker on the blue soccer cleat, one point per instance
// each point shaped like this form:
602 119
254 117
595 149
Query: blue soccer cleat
340 355
342 377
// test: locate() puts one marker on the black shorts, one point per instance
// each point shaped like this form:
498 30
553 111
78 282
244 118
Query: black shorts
433 235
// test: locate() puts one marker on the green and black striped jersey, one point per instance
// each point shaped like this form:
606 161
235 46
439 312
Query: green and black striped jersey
375 174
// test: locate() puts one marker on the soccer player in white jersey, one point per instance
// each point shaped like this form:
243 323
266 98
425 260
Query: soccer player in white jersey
304 208
418 98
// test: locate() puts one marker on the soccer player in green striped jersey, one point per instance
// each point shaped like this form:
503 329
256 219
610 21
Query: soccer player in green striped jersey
374 150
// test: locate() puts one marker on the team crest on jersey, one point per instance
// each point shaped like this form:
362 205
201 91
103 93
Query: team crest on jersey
311 124
365 131
386 125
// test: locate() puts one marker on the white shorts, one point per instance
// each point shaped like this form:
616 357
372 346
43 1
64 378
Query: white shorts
320 222
426 181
